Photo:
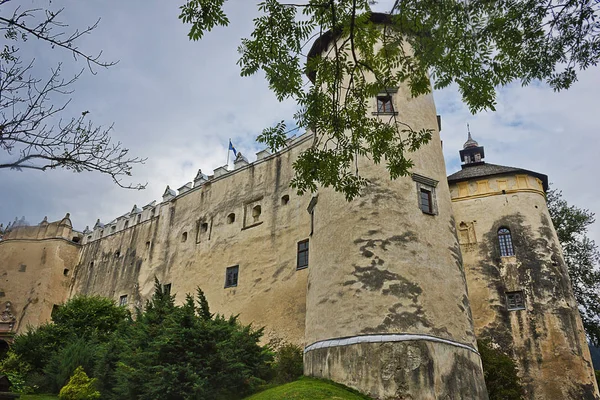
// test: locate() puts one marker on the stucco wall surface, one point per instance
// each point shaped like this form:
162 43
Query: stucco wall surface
177 248
546 338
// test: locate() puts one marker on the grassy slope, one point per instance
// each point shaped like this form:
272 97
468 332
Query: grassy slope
309 389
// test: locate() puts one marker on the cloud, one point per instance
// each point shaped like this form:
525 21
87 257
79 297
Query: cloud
178 102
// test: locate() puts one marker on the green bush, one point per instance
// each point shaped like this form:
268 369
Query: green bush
64 362
288 364
16 370
80 387
500 373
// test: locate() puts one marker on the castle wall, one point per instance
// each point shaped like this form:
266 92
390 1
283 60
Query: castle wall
36 270
546 338
177 247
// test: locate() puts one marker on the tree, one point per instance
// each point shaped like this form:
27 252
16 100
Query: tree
582 258
34 131
500 373
476 44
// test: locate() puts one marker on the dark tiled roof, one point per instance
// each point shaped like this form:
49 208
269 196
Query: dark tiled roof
483 169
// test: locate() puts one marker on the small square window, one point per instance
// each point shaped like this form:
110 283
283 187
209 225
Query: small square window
123 300
231 276
515 300
167 289
22 268
384 104
302 259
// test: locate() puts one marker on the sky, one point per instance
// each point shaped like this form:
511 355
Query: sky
178 102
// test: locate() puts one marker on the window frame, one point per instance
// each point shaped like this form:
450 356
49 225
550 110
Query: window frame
505 242
426 205
385 104
304 253
515 296
425 184
233 269
167 289
123 300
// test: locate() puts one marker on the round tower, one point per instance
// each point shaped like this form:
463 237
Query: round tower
518 283
387 310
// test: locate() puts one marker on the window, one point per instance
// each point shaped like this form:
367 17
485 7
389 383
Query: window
117 254
139 218
285 199
113 228
384 104
426 193
123 300
426 203
55 308
231 218
22 268
256 213
89 238
76 239
506 245
515 300
302 260
147 245
231 276
66 272
167 289
204 227
126 224
101 233
184 237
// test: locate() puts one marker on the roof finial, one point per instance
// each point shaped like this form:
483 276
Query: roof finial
469 130
470 142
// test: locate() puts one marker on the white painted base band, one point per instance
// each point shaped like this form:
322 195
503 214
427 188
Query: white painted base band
393 337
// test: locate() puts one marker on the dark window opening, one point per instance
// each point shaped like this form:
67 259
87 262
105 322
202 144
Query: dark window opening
426 201
505 240
167 289
184 237
123 300
204 227
113 229
66 272
147 245
302 259
384 104
2 294
76 239
515 300
231 218
89 237
285 199
92 264
22 268
101 233
117 254
139 218
256 211
126 224
231 276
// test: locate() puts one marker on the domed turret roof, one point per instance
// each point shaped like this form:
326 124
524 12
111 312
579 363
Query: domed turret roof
470 142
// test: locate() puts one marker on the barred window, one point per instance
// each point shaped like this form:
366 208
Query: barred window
123 300
515 300
302 261
506 245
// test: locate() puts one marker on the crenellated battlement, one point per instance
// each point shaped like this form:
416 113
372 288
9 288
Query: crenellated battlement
153 209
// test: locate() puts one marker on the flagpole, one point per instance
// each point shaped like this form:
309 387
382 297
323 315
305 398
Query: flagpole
228 146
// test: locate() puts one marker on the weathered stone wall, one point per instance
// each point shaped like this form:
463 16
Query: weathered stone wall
36 270
546 338
386 276
176 247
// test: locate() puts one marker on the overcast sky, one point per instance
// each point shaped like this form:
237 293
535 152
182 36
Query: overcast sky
178 102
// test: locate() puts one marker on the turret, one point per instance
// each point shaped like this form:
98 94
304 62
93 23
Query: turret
519 287
387 310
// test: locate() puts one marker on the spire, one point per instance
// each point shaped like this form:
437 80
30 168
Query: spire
470 142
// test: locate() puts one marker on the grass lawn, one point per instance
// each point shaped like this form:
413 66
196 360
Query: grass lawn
309 389
38 397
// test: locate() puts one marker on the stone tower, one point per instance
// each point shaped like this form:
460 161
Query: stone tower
518 283
387 310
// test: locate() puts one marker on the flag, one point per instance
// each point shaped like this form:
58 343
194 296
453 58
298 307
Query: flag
232 148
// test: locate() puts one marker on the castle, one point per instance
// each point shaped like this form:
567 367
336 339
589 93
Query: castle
386 293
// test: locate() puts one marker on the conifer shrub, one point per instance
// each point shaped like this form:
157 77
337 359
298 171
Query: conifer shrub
80 387
288 365
500 373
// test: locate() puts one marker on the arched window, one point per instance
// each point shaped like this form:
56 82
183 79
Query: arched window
231 218
506 245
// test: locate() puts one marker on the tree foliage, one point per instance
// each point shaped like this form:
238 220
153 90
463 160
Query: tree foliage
581 257
500 373
478 45
35 131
